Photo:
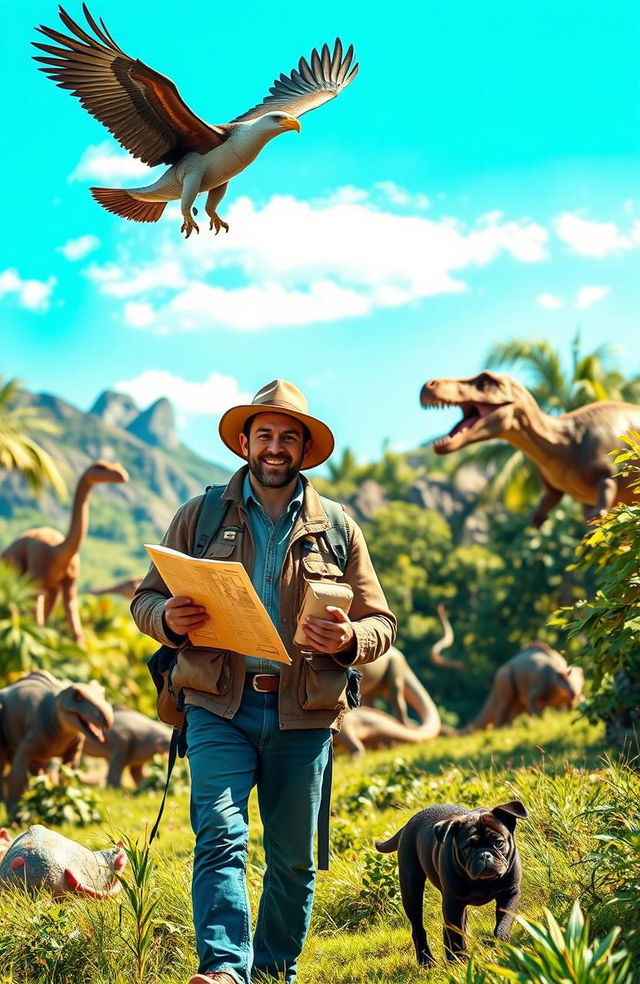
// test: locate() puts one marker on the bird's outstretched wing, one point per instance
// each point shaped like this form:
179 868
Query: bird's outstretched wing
142 108
310 85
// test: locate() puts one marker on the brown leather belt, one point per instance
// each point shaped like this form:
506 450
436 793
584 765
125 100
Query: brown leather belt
262 683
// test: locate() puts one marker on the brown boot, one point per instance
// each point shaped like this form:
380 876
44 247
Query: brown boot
215 977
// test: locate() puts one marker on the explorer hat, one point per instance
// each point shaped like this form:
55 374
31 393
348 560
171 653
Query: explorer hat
278 396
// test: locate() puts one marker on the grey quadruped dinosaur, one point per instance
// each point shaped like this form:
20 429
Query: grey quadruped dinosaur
366 727
42 718
535 678
391 677
43 859
131 741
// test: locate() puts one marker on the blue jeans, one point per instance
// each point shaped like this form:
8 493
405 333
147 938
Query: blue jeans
227 759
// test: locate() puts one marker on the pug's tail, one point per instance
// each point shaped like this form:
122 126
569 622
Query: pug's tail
391 845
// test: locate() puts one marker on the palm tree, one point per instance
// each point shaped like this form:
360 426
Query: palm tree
591 377
18 450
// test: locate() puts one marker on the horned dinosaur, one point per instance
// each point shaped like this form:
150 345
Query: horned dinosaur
131 741
41 858
125 588
535 678
42 718
367 727
571 451
391 677
52 560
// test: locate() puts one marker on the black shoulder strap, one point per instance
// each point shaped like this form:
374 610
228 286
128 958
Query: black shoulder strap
213 509
337 535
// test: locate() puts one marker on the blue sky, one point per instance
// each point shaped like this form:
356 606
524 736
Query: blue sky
479 181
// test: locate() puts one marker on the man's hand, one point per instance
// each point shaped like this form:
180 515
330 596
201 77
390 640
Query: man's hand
182 616
329 635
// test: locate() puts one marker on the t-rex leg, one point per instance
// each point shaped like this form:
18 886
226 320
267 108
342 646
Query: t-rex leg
70 599
40 607
214 198
607 488
550 499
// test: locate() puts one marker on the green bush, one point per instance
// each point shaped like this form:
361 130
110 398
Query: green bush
608 626
53 803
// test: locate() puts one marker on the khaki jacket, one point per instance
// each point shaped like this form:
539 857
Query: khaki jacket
312 690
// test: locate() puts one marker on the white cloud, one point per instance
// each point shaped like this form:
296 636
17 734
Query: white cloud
550 301
35 295
139 314
590 238
299 262
212 397
397 195
77 249
102 162
589 295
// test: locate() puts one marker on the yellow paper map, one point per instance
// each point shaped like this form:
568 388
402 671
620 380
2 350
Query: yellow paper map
237 618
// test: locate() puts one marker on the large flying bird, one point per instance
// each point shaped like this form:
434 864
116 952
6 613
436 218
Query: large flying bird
146 115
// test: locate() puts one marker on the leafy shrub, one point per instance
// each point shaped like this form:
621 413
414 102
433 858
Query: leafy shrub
53 803
375 893
609 625
565 956
401 785
43 944
614 867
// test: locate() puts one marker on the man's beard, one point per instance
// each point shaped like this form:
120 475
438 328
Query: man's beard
270 477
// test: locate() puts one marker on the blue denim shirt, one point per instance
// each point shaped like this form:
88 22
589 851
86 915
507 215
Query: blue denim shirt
270 541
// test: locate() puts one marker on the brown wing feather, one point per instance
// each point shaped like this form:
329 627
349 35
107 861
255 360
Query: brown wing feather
139 106
310 85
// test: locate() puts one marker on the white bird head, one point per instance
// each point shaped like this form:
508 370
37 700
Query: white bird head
271 124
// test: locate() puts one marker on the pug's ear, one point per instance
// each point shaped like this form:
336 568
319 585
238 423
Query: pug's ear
442 828
508 813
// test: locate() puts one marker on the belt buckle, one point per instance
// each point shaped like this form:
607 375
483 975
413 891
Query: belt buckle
254 682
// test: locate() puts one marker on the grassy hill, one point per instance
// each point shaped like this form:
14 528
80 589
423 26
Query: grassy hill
359 932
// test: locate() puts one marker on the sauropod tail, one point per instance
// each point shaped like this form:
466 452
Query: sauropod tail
120 202
391 845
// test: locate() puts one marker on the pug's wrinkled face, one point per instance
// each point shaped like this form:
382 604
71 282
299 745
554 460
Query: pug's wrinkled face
483 847
482 842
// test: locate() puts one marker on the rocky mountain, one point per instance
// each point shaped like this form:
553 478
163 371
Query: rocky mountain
163 473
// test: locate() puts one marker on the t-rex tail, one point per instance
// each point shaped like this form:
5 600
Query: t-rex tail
120 202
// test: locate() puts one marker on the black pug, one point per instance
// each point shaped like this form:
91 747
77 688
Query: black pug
470 856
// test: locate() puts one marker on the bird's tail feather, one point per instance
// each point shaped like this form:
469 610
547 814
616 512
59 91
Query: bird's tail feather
120 202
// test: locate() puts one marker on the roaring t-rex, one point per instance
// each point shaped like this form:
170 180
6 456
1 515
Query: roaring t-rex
571 451
51 559
42 718
131 741
535 678
43 859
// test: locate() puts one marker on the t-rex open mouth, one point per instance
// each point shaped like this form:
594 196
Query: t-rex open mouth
472 414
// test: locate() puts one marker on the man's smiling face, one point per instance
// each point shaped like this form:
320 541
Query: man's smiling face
275 449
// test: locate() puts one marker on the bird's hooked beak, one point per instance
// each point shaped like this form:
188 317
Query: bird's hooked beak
290 123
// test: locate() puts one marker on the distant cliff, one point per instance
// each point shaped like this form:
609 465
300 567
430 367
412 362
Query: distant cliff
163 473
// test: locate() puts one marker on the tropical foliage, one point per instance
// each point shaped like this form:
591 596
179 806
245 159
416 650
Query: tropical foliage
608 623
18 449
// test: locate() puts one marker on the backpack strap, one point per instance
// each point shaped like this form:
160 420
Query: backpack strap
213 509
337 535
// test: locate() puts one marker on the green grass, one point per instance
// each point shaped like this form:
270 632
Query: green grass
359 933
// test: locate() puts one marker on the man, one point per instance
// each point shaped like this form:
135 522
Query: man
257 722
